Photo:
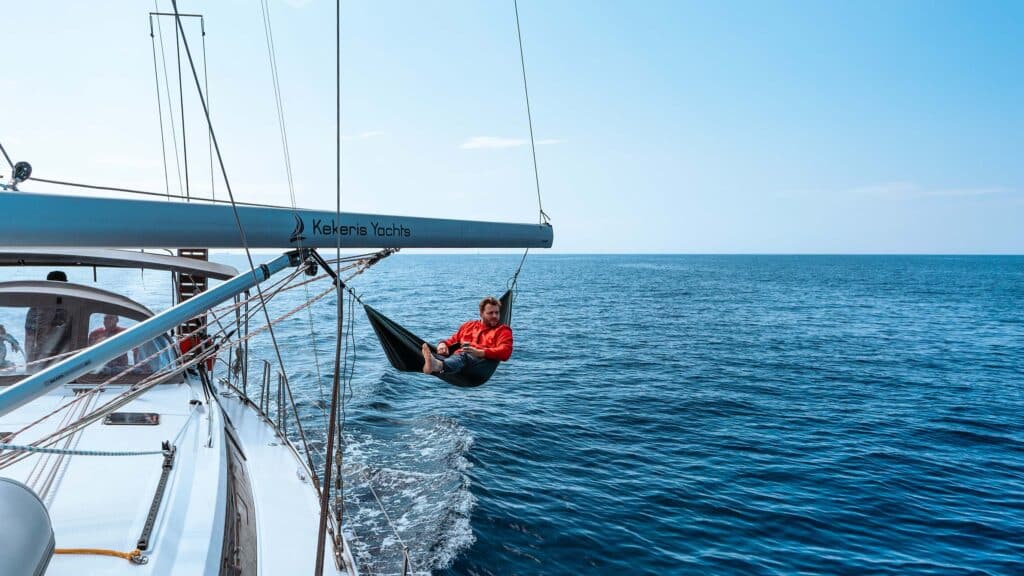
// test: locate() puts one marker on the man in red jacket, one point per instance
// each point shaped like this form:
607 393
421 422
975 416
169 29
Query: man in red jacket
109 328
474 342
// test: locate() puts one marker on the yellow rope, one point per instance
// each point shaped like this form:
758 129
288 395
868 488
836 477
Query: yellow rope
134 556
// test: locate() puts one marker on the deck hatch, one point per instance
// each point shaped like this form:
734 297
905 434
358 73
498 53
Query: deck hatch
132 419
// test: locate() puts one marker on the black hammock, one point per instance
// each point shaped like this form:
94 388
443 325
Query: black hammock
404 349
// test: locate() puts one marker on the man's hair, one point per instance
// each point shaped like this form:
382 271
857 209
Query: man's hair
489 300
57 275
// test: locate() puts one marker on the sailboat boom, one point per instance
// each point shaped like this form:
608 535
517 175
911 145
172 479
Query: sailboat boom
47 220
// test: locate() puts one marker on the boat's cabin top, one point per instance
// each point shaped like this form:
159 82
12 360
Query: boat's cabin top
42 321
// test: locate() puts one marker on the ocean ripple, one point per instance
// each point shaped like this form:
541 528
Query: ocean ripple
696 415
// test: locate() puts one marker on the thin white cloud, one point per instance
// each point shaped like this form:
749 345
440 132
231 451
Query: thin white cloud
883 189
491 142
913 190
900 190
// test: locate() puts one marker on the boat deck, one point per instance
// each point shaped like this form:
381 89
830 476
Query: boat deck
102 502
287 506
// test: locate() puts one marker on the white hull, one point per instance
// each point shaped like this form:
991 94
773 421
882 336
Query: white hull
102 502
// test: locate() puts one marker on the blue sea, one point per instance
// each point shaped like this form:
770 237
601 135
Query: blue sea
685 415
694 415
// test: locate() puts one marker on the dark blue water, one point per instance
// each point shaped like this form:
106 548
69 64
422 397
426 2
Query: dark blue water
694 415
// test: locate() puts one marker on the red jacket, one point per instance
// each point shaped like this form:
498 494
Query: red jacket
495 342
100 334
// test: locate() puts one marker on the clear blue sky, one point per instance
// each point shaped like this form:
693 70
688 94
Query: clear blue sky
757 127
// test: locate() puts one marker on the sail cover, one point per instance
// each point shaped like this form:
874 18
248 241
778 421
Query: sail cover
402 347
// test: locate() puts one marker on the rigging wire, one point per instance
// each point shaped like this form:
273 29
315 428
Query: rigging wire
147 193
61 464
387 517
157 377
33 480
339 310
340 455
282 126
159 108
178 37
347 392
8 158
217 312
511 283
167 89
268 33
541 215
529 117
360 264
206 87
238 222
84 417
283 133
84 420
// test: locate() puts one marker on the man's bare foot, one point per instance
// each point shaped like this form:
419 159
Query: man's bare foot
430 364
427 358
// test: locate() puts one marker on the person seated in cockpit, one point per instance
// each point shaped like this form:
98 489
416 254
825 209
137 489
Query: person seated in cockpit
100 334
